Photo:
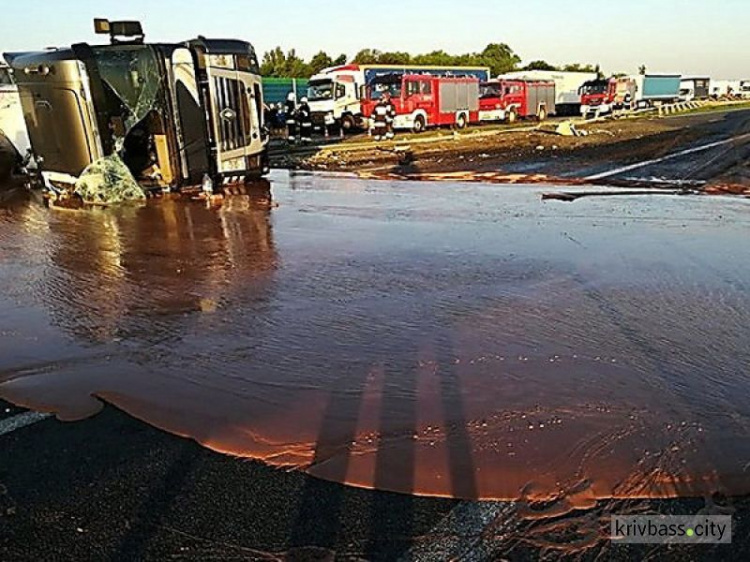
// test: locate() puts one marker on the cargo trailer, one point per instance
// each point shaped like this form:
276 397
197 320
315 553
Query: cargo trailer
695 88
656 89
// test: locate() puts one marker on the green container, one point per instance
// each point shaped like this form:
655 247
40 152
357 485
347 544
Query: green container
276 90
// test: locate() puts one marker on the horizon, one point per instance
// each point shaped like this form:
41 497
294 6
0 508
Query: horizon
689 37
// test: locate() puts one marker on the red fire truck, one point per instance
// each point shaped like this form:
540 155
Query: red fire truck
423 101
508 100
604 96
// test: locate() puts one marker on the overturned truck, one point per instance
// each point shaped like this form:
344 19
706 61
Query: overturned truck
158 117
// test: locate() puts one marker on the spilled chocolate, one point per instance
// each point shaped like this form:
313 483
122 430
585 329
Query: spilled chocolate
437 339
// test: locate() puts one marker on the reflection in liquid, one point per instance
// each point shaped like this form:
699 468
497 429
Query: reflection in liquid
398 354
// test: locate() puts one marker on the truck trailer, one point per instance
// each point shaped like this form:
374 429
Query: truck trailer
567 86
336 93
423 101
177 115
656 89
508 100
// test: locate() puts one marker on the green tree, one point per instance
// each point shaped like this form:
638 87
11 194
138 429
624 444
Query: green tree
340 60
278 64
642 70
367 56
500 58
395 57
319 62
539 65
577 67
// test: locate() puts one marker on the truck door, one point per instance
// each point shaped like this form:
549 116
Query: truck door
190 118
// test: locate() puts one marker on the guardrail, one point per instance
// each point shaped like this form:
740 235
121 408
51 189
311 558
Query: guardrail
680 107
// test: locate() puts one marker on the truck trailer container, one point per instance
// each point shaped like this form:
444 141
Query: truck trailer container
336 94
423 101
508 100
657 89
177 115
567 86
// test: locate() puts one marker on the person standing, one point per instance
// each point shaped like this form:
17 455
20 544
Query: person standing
383 116
304 117
291 117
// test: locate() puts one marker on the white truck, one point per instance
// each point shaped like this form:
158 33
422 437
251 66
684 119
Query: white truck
335 94
721 88
567 86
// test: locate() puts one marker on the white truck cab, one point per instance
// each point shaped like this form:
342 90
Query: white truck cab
335 97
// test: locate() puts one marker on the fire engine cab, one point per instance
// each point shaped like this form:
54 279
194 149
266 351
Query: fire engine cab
604 96
423 101
509 100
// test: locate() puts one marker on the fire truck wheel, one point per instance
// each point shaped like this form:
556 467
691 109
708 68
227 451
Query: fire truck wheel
348 123
461 121
512 116
419 125
542 115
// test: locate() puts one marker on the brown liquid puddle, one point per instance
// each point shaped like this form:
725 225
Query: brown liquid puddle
441 340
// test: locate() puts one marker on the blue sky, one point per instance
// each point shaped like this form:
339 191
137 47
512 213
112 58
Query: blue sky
688 36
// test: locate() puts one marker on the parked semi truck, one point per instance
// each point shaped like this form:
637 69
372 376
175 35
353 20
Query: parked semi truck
335 95
423 100
178 115
656 89
567 86
509 100
603 96
695 88
14 138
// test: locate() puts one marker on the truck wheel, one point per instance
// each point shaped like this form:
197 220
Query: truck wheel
348 123
542 115
461 121
419 125
512 116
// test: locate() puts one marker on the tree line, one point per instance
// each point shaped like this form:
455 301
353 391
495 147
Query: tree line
499 57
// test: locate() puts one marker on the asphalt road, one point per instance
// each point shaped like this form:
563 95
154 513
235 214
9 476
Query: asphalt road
707 146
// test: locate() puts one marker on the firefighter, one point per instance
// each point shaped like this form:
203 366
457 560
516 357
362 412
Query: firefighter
291 117
382 117
304 117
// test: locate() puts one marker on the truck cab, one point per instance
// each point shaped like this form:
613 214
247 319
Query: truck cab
335 97
177 115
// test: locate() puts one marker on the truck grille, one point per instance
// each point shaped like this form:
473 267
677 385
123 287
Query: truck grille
230 96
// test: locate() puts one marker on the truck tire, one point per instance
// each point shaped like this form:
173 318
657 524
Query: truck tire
512 116
419 125
542 115
461 121
348 123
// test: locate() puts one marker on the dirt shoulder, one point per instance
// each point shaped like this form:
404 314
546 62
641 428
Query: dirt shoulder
526 150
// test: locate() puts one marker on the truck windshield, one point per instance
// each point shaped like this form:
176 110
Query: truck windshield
594 88
132 75
320 91
490 91
377 89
